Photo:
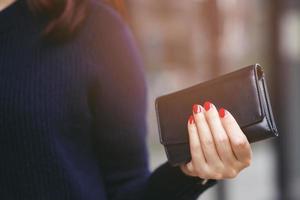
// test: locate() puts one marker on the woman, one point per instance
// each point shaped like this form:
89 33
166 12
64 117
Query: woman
73 103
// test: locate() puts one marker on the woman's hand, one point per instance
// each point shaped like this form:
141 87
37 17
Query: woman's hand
219 148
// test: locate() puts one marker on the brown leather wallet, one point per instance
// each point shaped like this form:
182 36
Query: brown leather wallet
243 93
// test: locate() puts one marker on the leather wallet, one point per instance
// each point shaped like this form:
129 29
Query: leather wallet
243 93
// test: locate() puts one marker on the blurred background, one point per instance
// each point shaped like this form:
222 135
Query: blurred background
187 42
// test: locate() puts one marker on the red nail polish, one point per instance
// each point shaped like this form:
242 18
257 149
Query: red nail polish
207 105
196 108
222 112
191 119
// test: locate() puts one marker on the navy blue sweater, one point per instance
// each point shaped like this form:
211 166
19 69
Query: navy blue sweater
72 115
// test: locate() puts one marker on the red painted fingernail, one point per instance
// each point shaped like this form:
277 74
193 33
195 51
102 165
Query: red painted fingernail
196 108
191 119
222 112
207 105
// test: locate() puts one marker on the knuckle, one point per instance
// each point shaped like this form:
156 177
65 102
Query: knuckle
222 139
247 162
232 173
207 142
189 167
241 143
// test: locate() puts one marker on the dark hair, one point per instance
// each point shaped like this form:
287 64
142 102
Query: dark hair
64 17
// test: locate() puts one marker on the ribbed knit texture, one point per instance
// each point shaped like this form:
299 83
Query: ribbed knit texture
72 115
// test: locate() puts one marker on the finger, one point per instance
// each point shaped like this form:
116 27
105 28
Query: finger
238 140
206 138
198 158
189 169
219 134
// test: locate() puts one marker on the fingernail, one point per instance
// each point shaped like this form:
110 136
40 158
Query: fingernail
222 112
191 119
207 105
196 108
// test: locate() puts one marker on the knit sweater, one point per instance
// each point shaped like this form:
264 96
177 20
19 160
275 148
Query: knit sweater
72 115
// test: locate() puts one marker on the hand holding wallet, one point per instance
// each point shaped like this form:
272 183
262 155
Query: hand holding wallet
242 92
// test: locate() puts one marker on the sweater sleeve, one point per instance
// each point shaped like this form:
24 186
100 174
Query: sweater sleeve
118 103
